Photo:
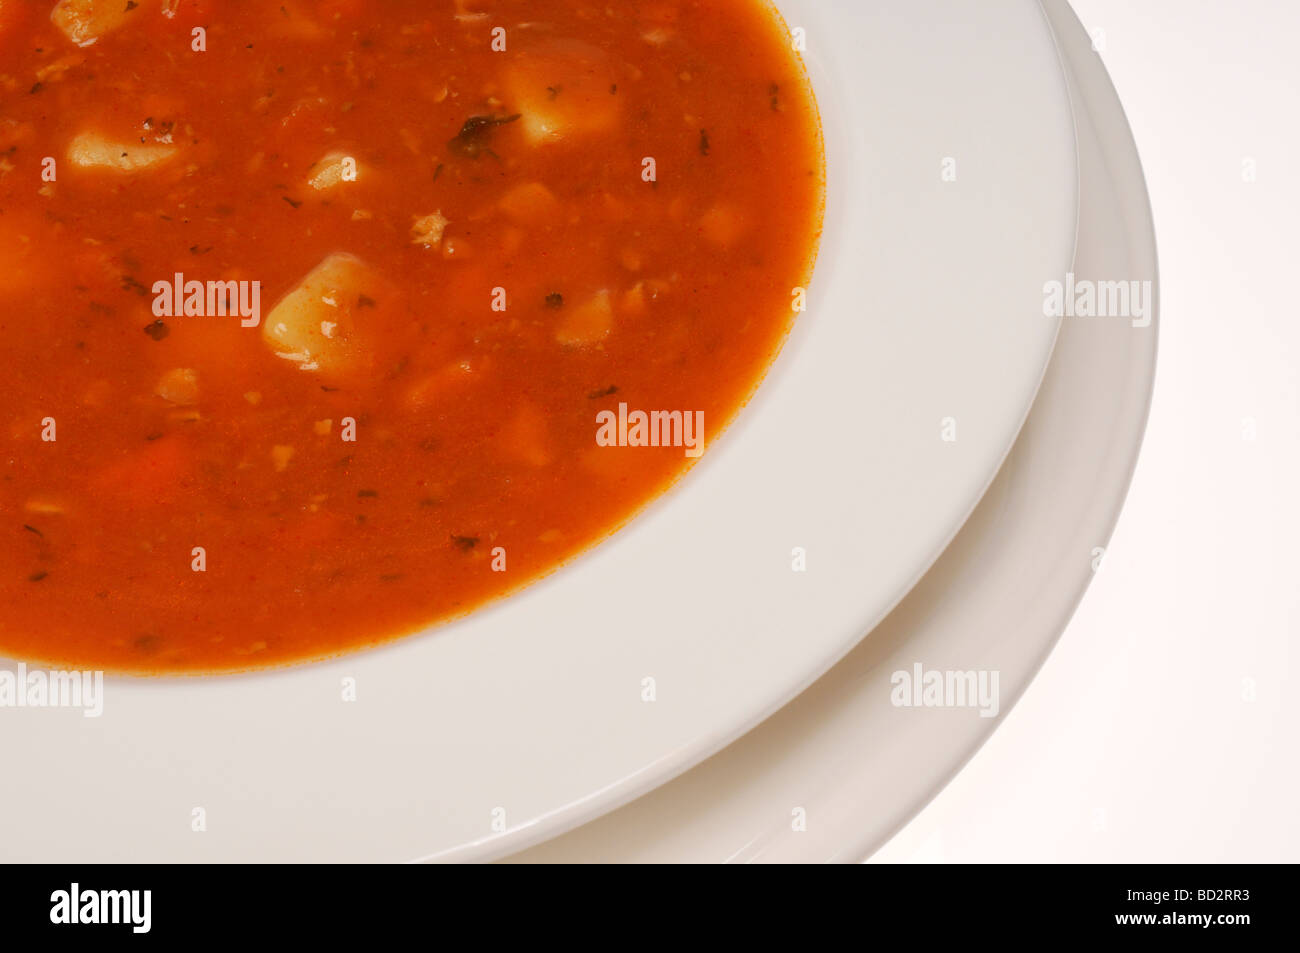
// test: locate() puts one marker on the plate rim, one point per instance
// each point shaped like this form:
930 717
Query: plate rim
1097 95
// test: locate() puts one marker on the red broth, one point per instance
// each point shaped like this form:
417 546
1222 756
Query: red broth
309 310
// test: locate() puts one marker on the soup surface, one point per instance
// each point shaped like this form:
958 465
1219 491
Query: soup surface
324 321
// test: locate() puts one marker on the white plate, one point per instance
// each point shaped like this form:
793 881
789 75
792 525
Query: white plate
997 599
926 305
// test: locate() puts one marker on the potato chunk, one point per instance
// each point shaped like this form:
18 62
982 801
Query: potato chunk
180 386
563 91
90 150
530 203
722 225
428 230
587 324
335 169
85 21
319 326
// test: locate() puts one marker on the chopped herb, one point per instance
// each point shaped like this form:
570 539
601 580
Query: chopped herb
774 92
291 201
555 300
553 91
365 301
464 543
429 444
327 389
37 576
196 250
471 141
367 494
157 329
613 90
33 529
151 437
704 142
606 392
390 577
131 5
437 172
430 501
36 88
130 284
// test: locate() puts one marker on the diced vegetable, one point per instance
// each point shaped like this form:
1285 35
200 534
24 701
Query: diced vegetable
632 301
429 389
722 224
427 230
636 300
55 70
85 21
180 385
317 325
587 324
281 454
562 93
90 150
335 169
530 203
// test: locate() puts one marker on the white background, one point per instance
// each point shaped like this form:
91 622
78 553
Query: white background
1166 724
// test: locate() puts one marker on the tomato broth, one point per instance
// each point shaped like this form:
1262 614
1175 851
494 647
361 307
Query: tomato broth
327 321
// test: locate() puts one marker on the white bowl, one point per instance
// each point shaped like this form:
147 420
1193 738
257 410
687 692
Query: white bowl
527 718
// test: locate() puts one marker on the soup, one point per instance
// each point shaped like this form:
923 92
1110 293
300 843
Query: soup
327 321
